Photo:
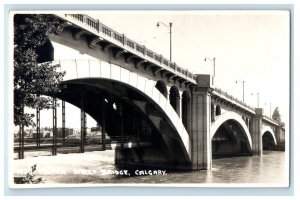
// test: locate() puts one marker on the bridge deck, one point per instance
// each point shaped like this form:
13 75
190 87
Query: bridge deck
103 32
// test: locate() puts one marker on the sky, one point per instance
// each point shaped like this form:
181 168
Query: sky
249 46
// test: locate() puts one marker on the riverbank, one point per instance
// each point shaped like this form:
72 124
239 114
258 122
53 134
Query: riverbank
67 168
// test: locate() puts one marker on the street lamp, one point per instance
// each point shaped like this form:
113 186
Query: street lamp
243 89
214 64
170 26
257 96
270 108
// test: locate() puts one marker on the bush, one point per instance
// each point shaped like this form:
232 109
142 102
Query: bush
30 178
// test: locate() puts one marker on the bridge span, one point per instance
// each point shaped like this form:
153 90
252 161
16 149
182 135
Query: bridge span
178 120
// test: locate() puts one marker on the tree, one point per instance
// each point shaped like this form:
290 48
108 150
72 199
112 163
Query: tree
276 115
31 78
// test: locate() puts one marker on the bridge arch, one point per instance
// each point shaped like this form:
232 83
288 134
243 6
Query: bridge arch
231 125
175 99
161 86
247 121
142 94
186 109
268 138
218 110
212 111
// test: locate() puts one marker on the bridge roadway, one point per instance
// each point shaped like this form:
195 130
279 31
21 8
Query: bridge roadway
132 91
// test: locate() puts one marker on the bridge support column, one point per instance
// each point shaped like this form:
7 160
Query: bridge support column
256 132
180 106
201 122
103 136
82 121
280 136
122 126
83 131
213 112
279 131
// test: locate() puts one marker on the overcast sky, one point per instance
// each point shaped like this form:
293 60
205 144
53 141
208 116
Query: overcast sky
250 46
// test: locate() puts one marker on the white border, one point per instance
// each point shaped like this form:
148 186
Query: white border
295 83
12 185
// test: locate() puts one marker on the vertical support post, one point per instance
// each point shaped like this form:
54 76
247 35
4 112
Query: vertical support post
103 134
138 124
38 127
63 117
170 41
243 91
180 106
54 128
21 138
277 133
83 130
213 112
20 142
122 126
280 135
256 132
124 40
82 121
213 78
201 152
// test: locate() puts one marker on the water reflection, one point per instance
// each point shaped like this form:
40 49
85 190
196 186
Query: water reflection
269 168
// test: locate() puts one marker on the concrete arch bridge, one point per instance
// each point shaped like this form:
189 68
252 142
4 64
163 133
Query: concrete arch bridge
173 118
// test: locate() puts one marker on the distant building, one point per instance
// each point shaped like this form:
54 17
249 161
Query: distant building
68 132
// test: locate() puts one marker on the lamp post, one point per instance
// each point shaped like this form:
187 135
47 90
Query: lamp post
243 89
170 26
270 108
257 96
214 65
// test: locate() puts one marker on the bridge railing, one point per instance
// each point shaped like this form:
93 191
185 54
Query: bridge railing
234 99
87 20
98 27
265 117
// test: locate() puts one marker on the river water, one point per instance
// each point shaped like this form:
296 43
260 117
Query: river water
267 169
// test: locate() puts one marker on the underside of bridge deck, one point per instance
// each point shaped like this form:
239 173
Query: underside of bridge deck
230 140
129 117
268 141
